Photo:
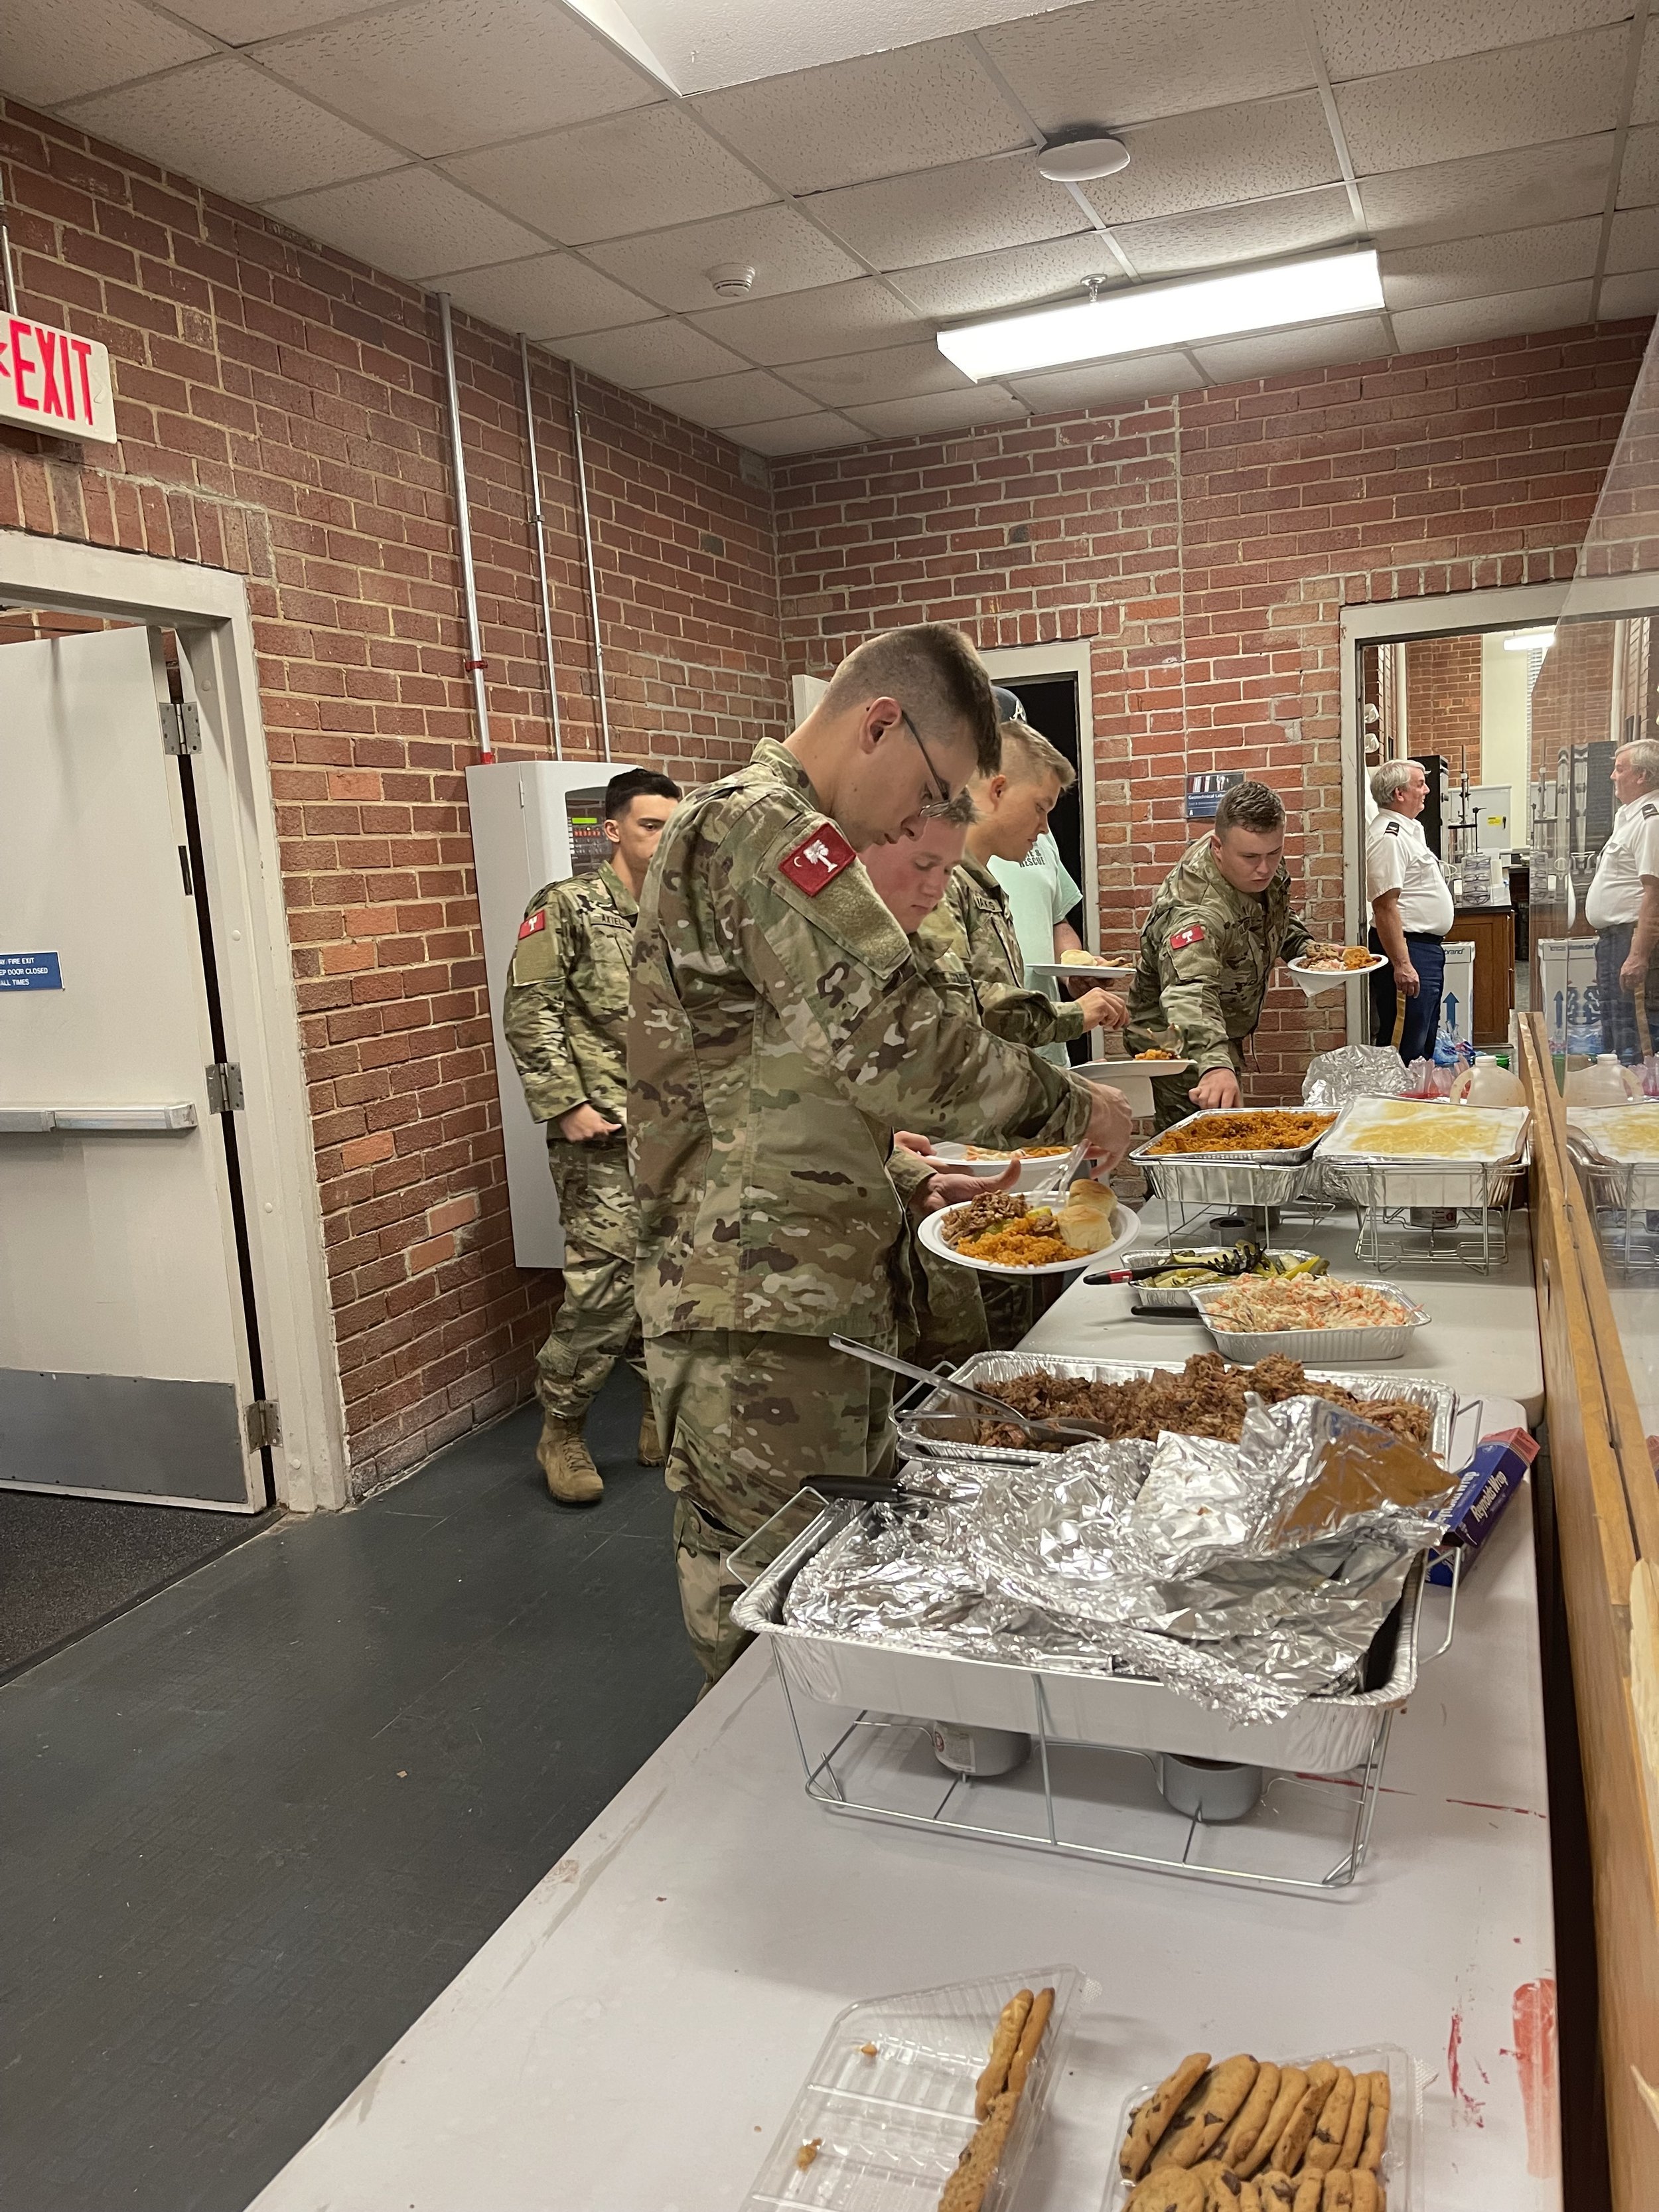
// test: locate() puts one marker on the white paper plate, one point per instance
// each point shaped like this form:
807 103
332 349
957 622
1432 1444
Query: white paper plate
1113 1071
1314 979
931 1233
1097 971
1032 1173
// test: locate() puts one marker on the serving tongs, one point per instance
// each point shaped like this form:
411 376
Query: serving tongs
1238 1260
1075 1429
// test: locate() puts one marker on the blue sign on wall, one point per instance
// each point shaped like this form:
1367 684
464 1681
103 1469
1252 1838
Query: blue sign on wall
30 971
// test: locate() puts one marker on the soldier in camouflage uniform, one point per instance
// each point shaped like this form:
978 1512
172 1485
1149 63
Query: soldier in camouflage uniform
779 1031
1221 921
566 1020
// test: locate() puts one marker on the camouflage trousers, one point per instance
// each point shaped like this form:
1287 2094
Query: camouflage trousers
948 1312
745 1419
596 1324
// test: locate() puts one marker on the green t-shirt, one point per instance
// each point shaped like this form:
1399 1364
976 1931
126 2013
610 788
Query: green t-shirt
1041 892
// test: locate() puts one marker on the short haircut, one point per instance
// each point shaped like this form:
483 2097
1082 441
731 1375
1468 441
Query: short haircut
1643 755
932 671
1028 756
1253 806
1393 777
636 783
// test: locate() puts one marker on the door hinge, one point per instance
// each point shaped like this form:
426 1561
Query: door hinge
224 1087
265 1424
181 726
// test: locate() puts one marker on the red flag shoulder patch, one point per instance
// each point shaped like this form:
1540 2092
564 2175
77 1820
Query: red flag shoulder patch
533 922
818 860
1193 934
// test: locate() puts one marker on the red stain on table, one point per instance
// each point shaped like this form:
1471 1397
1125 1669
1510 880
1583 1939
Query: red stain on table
1534 2064
1471 2111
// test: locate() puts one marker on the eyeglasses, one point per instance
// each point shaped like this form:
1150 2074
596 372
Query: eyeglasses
930 810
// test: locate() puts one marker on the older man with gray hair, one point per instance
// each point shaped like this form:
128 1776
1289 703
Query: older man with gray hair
1411 912
1622 906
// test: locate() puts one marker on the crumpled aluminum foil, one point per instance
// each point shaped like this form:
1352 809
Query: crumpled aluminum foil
1353 1071
1248 1576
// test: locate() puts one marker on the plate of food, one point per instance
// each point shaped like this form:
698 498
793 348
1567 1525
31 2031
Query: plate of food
1093 967
1334 965
1037 1162
1005 1234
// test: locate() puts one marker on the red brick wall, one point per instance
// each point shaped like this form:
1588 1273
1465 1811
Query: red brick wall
281 415
1443 700
1208 546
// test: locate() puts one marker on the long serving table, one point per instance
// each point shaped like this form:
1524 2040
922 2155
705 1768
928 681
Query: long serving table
632 2036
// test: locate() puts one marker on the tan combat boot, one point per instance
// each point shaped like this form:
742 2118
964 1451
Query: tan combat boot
648 1451
571 1477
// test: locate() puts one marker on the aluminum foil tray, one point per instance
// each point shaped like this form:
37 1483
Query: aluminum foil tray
1322 1735
1280 1157
939 1430
1193 1181
1376 1186
1175 1300
888 2102
1247 1345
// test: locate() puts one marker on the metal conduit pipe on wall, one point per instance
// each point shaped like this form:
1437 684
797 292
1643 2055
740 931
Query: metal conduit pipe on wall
475 660
538 537
587 547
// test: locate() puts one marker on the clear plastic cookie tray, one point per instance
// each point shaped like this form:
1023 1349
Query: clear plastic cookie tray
887 2111
1401 2170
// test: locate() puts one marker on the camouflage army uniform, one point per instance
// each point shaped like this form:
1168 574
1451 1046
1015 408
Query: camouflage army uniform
1206 955
779 1031
566 1020
973 921
947 1313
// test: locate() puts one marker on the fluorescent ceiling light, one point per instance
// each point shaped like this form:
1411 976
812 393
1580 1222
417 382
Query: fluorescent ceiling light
1146 317
1530 640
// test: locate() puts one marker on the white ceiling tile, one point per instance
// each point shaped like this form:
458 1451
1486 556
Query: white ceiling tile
910 108
906 372
1624 297
51 53
808 326
1365 38
661 352
787 253
1494 191
1644 104
722 403
969 207
1170 244
1108 383
409 222
800 434
940 410
1512 314
641 171
1523 96
1638 175
1123 61
439 74
1635 241
550 295
234 130
1326 345
1475 268
243 22
1018 277
1251 152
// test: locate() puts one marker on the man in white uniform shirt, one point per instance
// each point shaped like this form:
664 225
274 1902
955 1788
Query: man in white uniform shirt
1411 912
1622 906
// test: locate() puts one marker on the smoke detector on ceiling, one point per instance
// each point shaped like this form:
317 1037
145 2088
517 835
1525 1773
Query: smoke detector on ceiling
1078 159
730 279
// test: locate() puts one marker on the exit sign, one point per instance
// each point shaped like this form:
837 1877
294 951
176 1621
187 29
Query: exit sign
53 381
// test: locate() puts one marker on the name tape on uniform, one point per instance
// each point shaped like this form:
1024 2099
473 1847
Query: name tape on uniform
1193 934
818 860
53 381
533 922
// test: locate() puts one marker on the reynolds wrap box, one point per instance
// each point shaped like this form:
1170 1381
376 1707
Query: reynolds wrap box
1500 1461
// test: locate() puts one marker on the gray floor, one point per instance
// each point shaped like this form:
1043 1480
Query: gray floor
251 1827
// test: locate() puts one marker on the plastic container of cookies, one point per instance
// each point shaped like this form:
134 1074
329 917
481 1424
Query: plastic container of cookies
1401 2170
887 2110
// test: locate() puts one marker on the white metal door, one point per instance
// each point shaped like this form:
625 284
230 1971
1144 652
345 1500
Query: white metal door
126 1366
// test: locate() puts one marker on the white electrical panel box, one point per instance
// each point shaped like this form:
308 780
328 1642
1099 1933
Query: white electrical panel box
533 823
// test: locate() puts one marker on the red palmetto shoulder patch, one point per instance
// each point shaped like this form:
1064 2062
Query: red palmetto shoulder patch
1193 934
818 860
533 922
